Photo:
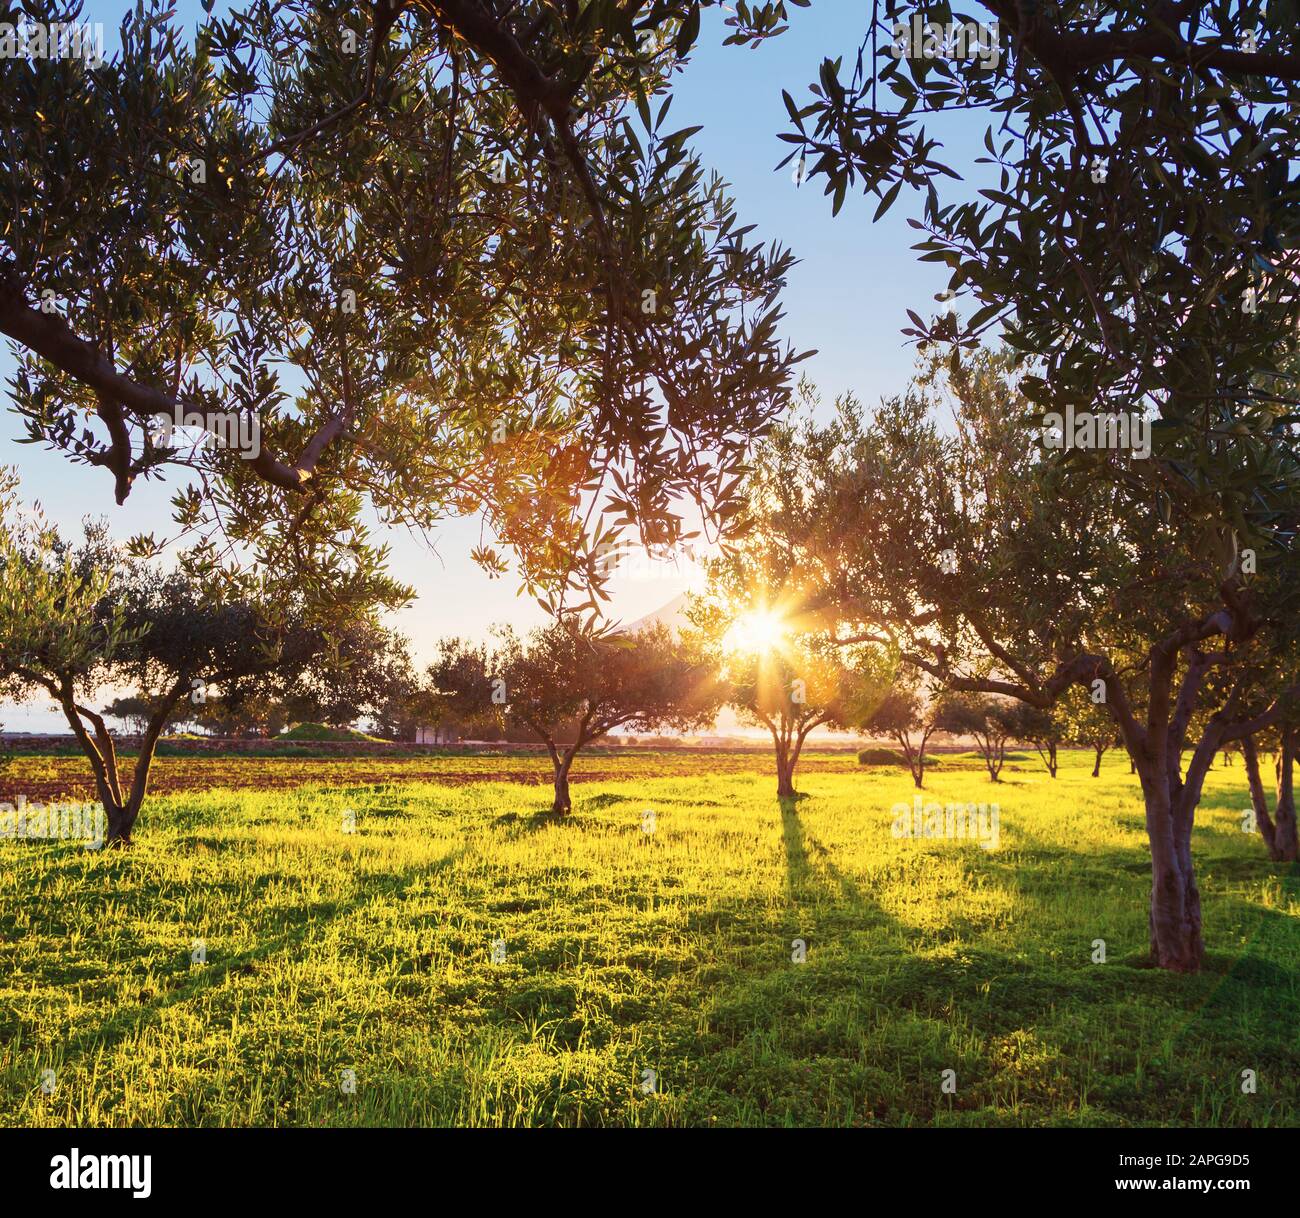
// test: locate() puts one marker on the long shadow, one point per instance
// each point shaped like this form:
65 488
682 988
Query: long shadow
801 872
797 868
837 906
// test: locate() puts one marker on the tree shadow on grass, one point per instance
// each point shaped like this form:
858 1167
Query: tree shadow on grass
797 868
1260 984
521 824
801 872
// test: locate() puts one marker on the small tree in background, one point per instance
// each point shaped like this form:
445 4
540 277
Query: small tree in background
907 717
1087 725
990 721
241 713
796 687
460 688
408 704
569 687
132 710
1278 829
353 680
1045 730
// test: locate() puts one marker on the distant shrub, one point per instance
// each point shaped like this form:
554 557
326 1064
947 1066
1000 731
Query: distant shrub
890 757
975 755
318 731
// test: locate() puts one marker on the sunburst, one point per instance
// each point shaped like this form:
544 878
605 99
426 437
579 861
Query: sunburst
757 632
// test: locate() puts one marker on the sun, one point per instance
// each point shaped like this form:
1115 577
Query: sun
756 632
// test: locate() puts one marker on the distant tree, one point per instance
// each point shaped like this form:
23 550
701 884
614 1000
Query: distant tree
1087 725
1044 729
568 687
990 721
460 689
409 703
796 687
132 710
908 717
352 679
242 713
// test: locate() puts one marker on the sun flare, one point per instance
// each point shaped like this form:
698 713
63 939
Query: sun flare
756 632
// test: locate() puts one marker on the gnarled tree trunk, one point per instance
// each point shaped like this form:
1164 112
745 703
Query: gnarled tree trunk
562 804
1175 919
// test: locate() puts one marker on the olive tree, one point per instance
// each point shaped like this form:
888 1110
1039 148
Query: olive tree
991 722
1138 254
1045 730
323 263
570 686
782 672
907 714
74 618
999 567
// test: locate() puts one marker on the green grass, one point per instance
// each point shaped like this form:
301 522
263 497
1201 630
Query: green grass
626 951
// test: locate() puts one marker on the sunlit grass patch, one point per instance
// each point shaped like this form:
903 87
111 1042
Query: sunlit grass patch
470 959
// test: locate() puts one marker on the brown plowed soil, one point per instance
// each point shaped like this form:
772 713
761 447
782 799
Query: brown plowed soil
42 779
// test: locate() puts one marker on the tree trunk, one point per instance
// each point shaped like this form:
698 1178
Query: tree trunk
915 761
1096 765
1258 800
1132 767
1052 762
120 823
1288 849
1175 921
784 776
563 805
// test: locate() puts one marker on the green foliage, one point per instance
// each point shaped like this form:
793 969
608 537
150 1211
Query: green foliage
562 676
74 618
319 731
879 756
442 277
1140 187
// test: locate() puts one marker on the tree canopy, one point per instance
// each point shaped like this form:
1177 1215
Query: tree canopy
568 686
417 260
74 618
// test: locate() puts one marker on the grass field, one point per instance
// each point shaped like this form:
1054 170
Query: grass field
627 951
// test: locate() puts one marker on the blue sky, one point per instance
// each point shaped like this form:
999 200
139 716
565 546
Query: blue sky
846 298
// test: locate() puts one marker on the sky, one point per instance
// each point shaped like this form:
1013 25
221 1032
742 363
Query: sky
847 299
